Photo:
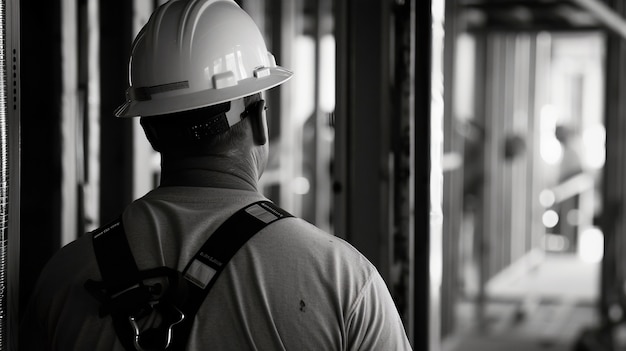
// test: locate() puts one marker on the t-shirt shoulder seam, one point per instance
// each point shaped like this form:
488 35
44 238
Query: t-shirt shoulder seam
361 293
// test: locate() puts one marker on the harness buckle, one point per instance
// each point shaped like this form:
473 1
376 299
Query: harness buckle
149 307
159 338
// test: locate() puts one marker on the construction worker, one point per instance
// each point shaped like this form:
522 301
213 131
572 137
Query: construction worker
197 72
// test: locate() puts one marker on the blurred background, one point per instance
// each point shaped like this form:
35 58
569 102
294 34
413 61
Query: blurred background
473 150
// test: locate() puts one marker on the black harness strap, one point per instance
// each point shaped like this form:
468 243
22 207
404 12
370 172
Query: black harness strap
213 256
111 248
120 273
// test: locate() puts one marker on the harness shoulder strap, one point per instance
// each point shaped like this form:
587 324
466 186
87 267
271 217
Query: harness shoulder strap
211 259
121 275
119 272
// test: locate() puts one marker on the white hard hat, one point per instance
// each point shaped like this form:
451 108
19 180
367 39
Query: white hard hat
197 53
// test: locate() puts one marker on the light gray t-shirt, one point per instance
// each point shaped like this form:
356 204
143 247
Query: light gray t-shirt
291 287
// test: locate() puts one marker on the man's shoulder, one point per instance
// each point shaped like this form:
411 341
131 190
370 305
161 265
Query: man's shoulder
300 231
296 240
71 260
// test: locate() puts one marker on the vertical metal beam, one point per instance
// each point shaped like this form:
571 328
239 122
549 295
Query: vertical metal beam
69 120
91 201
428 173
480 241
435 183
10 176
363 130
323 131
495 89
116 181
283 32
402 144
4 178
453 178
540 85
342 137
520 224
613 276
40 145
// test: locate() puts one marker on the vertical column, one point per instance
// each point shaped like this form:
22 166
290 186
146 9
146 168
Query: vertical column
4 178
613 299
362 162
116 135
428 173
9 174
454 117
69 121
40 144
11 48
402 145
90 78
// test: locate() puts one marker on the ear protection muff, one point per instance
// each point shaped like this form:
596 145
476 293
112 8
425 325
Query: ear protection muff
258 121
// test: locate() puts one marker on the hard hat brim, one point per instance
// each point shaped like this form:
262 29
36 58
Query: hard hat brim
165 105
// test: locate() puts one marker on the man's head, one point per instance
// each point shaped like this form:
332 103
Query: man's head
206 131
198 68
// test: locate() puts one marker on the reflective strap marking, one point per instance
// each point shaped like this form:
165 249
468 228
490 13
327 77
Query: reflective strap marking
261 213
200 274
209 262
106 230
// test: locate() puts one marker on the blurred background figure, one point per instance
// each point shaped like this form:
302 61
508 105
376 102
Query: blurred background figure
570 166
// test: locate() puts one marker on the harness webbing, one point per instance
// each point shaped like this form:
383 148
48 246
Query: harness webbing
120 273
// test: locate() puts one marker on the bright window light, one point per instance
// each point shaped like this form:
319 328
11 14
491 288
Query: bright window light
591 245
547 198
594 140
327 74
550 148
550 218
300 186
303 83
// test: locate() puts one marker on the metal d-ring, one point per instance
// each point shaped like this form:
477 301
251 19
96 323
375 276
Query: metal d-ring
137 332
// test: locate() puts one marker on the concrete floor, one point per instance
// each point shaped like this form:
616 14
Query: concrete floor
549 327
544 307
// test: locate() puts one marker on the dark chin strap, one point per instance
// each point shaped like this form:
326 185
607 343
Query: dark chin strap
192 127
186 127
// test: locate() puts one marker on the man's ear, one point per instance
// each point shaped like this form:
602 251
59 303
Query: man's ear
259 123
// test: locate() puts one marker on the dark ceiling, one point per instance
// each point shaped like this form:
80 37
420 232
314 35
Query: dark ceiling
533 15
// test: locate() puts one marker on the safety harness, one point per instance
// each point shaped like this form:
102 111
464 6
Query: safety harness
163 296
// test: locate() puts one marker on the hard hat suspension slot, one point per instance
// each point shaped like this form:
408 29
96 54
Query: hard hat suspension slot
145 93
